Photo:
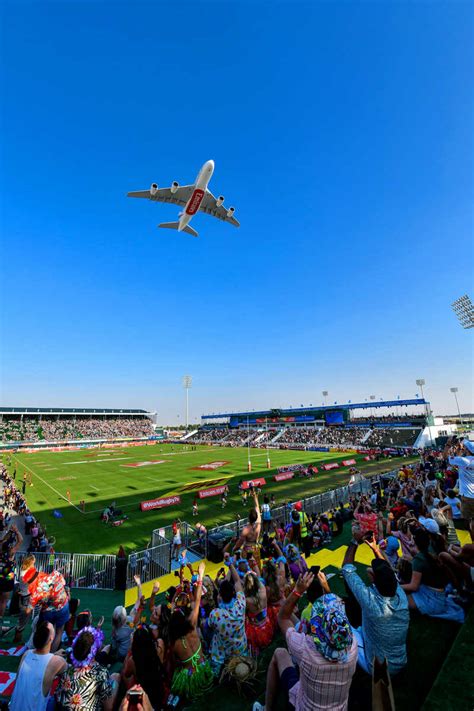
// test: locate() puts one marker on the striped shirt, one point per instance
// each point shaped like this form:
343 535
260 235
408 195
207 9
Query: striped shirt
323 685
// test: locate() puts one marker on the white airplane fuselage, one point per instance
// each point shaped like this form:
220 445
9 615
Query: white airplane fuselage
200 187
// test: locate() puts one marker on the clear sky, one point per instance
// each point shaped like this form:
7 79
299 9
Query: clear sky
341 132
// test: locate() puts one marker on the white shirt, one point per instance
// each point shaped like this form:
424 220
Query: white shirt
455 504
28 691
465 467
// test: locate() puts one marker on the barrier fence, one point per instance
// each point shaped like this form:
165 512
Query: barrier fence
91 571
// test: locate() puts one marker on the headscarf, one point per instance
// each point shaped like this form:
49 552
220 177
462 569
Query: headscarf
330 628
292 552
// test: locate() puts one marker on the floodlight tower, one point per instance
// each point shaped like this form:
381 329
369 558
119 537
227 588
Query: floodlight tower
464 310
187 382
455 391
325 394
420 382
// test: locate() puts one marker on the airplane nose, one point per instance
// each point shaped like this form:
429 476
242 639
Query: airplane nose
210 164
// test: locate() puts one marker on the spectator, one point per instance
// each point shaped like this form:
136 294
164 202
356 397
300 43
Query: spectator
460 455
427 588
326 657
87 685
193 677
452 500
37 671
384 608
227 622
49 589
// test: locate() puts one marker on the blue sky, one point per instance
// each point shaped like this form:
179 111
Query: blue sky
341 132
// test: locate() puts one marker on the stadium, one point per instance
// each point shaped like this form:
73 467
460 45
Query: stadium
276 199
100 491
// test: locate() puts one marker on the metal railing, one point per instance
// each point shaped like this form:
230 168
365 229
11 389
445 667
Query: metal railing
149 564
96 572
80 570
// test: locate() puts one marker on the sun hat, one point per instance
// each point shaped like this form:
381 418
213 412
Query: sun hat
330 628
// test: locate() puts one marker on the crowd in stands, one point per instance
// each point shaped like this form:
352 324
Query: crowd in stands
51 430
203 436
341 436
310 435
392 437
206 630
389 418
299 435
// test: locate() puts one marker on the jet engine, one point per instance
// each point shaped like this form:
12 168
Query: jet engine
230 211
153 189
219 200
174 187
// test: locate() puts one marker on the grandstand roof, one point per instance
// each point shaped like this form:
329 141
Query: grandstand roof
71 411
288 411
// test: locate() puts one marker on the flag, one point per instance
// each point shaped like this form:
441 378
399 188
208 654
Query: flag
7 683
13 651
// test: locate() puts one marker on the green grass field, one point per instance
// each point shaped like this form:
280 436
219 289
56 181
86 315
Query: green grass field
100 476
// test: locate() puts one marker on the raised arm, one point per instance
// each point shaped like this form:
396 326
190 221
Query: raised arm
286 610
156 589
235 579
194 616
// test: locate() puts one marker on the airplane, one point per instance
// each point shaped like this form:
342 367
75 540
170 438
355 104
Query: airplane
194 198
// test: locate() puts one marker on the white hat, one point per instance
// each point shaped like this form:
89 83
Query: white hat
468 445
430 524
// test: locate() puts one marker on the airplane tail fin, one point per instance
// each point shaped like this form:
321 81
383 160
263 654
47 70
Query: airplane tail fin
175 225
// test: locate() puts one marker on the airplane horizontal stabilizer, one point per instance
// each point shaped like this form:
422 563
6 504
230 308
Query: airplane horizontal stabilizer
175 225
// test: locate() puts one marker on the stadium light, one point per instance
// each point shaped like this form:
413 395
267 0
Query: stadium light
420 382
187 382
325 394
455 391
464 310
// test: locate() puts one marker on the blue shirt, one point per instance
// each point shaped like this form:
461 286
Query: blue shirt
384 621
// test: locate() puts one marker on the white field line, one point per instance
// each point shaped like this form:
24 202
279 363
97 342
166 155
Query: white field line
89 461
47 484
94 487
125 506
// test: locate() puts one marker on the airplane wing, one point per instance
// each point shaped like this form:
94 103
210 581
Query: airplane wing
208 205
180 197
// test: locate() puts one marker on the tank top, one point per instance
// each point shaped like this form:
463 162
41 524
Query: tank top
28 693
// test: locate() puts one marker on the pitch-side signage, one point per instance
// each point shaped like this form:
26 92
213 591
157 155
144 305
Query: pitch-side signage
348 462
160 503
216 491
333 465
284 475
254 482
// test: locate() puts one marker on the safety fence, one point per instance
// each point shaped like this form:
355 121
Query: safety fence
80 570
100 572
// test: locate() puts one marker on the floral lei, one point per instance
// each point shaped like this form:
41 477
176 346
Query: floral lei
96 646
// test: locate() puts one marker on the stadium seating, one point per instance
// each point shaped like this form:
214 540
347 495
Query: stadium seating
69 428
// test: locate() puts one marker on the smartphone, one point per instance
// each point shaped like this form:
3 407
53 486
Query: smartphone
135 697
315 569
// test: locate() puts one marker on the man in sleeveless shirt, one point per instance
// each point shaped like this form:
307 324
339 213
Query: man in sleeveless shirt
37 671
